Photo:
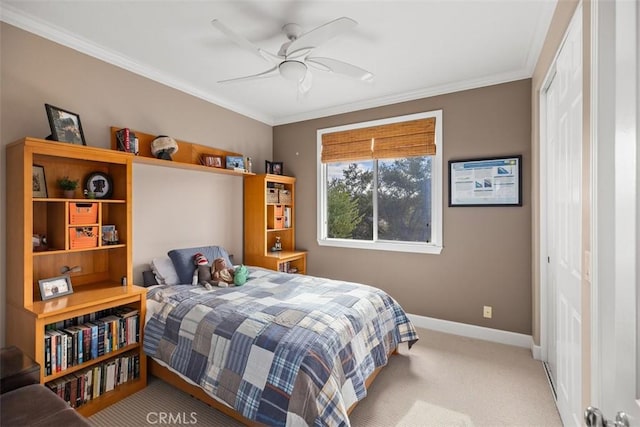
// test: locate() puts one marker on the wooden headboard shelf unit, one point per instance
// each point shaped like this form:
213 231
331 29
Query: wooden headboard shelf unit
187 157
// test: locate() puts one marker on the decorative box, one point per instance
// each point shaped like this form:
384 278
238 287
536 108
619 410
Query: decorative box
83 213
83 237
275 222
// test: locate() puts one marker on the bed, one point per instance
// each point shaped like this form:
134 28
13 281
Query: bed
282 350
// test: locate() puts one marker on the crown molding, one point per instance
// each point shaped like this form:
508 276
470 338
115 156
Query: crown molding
404 97
17 18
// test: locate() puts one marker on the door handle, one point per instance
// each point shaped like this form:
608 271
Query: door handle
593 418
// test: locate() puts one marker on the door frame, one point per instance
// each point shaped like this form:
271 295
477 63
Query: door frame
605 93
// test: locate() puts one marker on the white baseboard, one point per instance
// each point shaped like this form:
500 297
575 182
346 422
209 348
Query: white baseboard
473 331
536 350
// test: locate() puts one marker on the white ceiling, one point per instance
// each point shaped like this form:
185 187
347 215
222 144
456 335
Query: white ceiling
414 48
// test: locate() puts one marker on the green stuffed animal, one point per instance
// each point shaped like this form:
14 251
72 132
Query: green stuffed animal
240 276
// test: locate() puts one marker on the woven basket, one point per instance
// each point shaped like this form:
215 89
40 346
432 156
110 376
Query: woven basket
285 197
272 195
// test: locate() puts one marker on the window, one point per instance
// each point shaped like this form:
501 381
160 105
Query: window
380 184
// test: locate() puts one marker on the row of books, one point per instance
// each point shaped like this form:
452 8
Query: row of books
79 320
127 141
80 387
76 344
285 267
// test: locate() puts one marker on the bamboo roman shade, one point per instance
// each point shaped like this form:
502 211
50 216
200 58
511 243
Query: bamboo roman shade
404 139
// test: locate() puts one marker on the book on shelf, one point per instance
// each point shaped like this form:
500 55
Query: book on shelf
47 353
83 386
127 141
78 343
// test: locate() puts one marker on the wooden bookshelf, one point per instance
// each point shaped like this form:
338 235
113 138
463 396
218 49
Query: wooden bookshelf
103 277
264 222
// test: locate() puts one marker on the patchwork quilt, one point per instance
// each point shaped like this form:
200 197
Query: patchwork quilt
284 349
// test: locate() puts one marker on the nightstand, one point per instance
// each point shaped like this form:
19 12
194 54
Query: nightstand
17 369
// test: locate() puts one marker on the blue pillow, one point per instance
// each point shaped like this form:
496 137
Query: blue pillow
183 260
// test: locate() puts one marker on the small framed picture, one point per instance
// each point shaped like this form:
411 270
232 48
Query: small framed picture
39 182
211 161
277 168
267 167
109 235
65 125
55 287
235 162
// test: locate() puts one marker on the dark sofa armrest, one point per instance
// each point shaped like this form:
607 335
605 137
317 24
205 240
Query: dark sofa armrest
17 369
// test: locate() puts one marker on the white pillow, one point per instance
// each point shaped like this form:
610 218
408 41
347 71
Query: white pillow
164 271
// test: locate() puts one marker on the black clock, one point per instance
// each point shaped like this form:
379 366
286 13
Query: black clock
100 184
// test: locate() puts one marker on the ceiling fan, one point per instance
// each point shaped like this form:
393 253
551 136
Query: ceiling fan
294 57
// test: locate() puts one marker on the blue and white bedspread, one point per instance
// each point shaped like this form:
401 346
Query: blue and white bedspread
284 349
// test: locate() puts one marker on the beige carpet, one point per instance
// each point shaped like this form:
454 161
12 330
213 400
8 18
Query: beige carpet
444 380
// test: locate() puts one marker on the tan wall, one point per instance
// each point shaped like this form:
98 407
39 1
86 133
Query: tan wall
487 251
172 208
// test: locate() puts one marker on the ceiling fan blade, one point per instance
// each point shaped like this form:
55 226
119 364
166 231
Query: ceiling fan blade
304 86
269 73
299 53
244 43
340 67
317 36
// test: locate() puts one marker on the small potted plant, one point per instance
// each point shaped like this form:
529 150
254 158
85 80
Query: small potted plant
68 186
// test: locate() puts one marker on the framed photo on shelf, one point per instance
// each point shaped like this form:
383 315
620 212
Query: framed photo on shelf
39 182
109 235
211 161
235 162
55 287
65 125
489 181
277 168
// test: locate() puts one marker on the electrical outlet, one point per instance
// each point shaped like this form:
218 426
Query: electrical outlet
487 311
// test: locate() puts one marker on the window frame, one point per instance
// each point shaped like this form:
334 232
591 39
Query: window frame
437 185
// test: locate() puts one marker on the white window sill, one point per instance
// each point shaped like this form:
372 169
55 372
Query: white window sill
421 248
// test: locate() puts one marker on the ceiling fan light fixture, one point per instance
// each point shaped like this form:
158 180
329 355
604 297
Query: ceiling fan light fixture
293 70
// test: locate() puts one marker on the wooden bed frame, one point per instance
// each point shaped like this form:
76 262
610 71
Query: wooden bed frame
165 374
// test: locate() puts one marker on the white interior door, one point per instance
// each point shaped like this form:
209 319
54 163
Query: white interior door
552 135
563 148
615 297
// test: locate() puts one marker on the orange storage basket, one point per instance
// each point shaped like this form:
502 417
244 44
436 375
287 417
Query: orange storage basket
83 213
83 237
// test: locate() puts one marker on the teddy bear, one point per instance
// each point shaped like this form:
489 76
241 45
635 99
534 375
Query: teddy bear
221 273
